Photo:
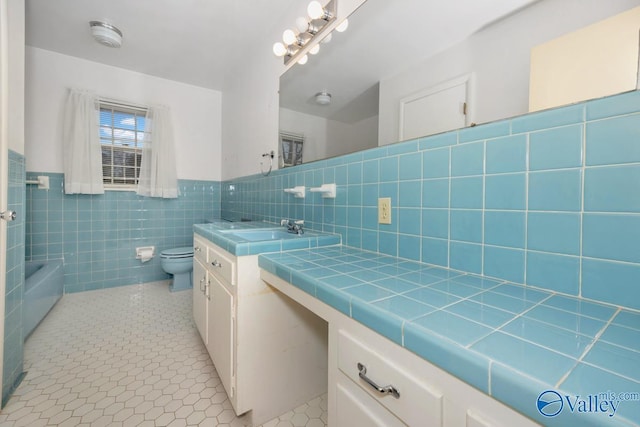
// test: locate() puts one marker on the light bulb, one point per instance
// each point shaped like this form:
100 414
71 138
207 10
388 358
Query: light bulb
315 49
302 24
315 10
279 49
303 60
343 26
327 39
289 37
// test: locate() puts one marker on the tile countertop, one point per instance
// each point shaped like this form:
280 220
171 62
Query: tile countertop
509 341
239 246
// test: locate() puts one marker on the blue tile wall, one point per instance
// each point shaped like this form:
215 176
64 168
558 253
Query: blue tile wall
550 199
96 235
13 344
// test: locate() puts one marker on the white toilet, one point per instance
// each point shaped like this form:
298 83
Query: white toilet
179 262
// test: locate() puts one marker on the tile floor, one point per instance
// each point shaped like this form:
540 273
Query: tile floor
127 356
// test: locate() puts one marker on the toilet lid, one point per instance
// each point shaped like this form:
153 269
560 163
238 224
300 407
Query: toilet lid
186 251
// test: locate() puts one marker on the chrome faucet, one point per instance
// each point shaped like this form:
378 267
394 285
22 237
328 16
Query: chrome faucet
293 226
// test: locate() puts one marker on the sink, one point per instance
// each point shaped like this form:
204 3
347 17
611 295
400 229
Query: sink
261 235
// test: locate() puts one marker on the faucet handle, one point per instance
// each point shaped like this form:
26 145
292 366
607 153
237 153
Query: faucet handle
284 222
299 222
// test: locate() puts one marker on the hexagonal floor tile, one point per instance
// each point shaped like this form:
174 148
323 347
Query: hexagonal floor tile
128 356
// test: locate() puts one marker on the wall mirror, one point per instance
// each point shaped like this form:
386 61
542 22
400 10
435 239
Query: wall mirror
382 73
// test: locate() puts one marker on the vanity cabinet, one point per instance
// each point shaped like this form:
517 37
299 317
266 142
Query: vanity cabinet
269 352
426 394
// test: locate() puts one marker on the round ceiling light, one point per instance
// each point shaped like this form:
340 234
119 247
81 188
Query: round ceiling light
106 34
323 98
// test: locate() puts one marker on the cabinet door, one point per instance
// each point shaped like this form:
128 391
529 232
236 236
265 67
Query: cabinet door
221 333
200 298
354 407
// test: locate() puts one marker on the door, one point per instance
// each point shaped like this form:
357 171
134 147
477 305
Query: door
200 303
221 332
4 166
437 109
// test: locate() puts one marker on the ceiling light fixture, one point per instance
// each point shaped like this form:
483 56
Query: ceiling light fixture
342 27
316 11
294 45
323 98
106 34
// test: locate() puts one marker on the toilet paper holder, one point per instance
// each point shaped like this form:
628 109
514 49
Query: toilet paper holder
145 253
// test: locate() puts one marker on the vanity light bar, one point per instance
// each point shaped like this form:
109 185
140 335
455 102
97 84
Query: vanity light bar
294 43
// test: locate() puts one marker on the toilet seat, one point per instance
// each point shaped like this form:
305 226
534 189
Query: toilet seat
176 253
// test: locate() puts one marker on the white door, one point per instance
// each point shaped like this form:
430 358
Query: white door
4 165
437 109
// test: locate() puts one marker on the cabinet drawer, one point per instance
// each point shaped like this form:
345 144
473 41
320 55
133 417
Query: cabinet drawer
222 264
418 404
200 250
355 407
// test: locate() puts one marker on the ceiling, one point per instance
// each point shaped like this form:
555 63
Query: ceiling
199 41
191 41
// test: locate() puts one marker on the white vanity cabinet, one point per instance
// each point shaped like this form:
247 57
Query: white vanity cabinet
269 352
426 394
214 307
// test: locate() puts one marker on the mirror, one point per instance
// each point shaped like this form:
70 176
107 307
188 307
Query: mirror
404 59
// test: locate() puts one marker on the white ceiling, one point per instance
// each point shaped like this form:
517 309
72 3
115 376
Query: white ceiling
199 41
192 41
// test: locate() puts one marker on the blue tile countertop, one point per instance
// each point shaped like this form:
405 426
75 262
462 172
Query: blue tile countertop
509 341
217 232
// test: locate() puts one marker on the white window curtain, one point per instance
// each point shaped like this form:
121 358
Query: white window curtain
82 151
158 176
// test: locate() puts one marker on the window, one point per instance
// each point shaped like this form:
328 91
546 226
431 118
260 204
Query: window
291 149
121 137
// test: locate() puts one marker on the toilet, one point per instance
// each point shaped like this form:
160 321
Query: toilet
179 262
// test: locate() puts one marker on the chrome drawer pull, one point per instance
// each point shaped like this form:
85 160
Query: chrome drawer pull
197 248
215 263
382 390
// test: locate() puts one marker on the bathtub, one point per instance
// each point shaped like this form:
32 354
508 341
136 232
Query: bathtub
43 287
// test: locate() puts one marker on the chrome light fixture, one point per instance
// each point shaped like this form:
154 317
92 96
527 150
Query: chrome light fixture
106 34
308 30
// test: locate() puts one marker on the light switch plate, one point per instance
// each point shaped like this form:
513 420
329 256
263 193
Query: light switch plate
384 210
